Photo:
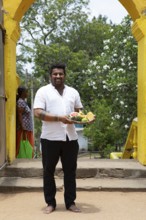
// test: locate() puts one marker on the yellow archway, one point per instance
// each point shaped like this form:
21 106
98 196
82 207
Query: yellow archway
137 10
14 11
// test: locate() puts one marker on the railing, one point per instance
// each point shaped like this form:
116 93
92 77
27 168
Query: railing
130 147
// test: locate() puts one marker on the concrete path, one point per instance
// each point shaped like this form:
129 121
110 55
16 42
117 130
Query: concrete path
94 206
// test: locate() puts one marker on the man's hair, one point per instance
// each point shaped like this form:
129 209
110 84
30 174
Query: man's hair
58 66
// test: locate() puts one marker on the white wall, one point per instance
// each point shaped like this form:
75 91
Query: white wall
82 140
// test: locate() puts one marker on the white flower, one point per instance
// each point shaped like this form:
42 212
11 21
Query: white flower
97 67
92 83
135 46
120 70
106 47
89 71
120 84
106 41
115 55
129 58
121 102
126 126
104 87
129 37
93 62
117 116
130 63
105 67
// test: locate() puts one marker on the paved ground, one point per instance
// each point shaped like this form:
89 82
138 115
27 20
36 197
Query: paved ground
107 190
94 206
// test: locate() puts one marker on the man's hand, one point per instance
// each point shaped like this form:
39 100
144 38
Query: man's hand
45 116
65 120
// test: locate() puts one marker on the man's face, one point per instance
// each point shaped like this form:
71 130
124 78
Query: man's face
57 77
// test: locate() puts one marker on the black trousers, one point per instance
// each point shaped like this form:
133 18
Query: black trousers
67 151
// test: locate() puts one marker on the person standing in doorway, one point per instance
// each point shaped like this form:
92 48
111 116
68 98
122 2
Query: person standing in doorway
52 104
24 124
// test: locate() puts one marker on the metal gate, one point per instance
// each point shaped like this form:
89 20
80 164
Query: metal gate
2 95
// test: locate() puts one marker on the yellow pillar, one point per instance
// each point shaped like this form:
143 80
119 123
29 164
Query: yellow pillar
11 83
137 11
139 31
13 12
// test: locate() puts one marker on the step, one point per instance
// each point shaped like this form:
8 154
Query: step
87 168
18 184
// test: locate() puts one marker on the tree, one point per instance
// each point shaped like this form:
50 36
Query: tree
113 77
47 20
104 133
88 37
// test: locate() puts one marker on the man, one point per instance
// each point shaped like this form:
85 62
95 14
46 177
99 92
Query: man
52 104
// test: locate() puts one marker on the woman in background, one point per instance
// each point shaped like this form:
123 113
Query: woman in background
24 125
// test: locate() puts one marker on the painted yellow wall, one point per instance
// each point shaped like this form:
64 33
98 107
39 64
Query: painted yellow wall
139 31
137 10
14 11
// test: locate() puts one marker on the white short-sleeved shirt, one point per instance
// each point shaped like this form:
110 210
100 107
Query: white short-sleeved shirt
49 99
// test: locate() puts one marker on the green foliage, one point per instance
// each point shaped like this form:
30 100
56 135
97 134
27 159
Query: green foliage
46 55
105 131
89 37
